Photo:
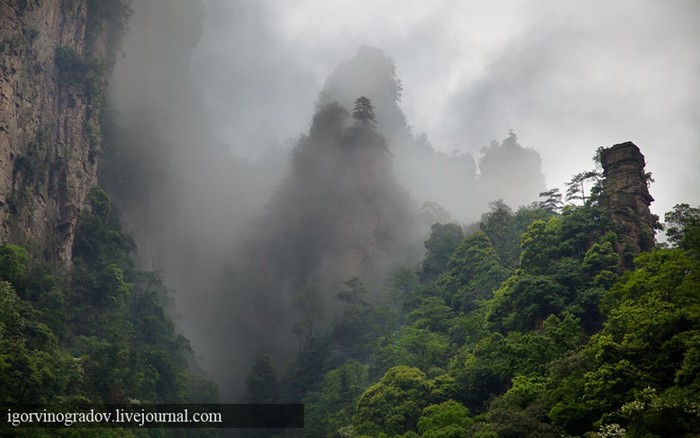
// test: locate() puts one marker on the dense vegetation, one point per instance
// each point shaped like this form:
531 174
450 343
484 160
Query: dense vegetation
527 325
99 334
95 330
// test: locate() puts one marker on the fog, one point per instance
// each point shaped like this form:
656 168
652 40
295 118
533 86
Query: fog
566 77
244 178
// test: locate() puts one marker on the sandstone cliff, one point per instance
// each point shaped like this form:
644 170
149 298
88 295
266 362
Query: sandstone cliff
626 196
54 56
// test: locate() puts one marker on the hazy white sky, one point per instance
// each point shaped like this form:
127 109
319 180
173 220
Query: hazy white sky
567 76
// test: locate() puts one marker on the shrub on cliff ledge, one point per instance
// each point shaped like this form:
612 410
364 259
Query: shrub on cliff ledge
83 73
13 262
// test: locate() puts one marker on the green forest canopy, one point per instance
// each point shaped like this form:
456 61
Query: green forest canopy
527 327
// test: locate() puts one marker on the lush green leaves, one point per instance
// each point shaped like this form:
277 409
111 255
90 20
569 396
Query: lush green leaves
332 408
105 339
525 301
564 343
475 270
13 262
449 419
394 404
444 239
684 228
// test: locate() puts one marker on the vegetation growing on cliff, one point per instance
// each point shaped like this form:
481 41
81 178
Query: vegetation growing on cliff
89 326
541 321
99 334
530 326
85 74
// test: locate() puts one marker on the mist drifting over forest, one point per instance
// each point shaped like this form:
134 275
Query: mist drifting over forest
247 176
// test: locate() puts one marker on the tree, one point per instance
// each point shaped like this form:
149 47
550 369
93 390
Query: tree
499 225
551 200
310 302
522 411
684 227
445 420
394 404
417 347
475 270
404 288
524 301
432 314
261 384
646 375
432 212
331 408
444 239
575 188
13 262
483 370
363 112
33 367
354 327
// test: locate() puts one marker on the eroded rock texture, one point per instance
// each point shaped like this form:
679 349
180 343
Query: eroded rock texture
53 61
626 196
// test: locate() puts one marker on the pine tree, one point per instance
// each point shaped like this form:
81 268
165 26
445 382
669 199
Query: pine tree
364 111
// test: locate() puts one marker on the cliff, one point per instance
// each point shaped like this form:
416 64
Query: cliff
53 59
626 197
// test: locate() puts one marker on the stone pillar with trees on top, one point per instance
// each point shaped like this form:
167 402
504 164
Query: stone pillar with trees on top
626 197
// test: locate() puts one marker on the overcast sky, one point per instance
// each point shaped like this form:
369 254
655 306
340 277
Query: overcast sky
567 76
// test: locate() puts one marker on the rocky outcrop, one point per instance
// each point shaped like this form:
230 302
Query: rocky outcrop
626 196
53 59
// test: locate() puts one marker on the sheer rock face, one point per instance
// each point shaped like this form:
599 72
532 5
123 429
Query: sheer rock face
49 124
627 198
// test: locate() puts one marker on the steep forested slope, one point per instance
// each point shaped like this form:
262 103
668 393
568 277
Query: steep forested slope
78 322
97 334
339 214
530 325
